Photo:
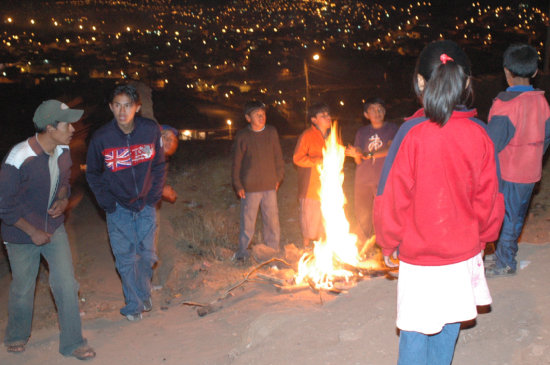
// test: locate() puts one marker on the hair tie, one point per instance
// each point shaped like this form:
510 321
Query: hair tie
444 58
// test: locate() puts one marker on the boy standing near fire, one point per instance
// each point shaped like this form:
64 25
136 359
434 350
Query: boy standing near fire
519 125
258 170
371 146
126 171
308 155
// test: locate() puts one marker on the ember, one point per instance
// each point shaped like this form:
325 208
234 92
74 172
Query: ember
336 258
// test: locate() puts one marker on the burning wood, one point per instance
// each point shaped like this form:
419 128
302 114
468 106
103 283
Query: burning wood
216 305
338 284
336 263
336 257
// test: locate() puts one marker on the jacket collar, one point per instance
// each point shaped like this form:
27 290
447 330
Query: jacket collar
137 122
315 128
520 88
36 147
460 112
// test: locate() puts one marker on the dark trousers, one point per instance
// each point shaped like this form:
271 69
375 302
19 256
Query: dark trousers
516 201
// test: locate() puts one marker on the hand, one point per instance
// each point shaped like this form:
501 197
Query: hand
241 194
388 261
277 186
58 207
353 151
39 237
169 194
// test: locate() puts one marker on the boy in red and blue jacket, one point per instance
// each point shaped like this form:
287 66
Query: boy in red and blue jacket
519 125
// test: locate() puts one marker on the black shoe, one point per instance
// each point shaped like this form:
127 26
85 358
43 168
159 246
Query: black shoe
148 305
489 258
240 260
494 271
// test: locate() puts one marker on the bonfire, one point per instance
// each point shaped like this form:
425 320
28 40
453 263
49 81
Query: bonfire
336 258
337 261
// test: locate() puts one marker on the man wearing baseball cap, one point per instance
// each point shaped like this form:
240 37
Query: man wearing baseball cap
34 192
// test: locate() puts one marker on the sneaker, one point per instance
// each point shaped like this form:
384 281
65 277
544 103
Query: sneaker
134 317
494 271
490 258
238 258
84 352
148 305
240 261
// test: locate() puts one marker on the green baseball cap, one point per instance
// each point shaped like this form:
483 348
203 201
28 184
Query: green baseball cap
51 111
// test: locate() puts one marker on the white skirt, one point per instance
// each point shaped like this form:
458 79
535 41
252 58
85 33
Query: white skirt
428 297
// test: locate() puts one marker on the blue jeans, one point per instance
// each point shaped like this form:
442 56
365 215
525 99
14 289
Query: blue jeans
516 201
419 349
267 202
131 235
25 262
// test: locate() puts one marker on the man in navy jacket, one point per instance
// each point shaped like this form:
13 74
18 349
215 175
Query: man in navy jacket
126 171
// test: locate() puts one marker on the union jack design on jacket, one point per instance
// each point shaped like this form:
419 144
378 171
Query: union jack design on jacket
126 169
117 159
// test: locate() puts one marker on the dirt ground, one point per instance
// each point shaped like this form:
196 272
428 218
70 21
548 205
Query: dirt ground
257 324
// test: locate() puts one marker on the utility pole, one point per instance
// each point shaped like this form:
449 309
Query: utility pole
306 75
307 89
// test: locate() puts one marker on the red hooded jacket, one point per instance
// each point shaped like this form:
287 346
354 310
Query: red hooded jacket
438 198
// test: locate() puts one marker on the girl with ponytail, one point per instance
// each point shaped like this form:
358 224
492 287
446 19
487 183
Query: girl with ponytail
437 205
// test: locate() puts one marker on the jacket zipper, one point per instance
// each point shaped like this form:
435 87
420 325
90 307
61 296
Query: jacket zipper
132 165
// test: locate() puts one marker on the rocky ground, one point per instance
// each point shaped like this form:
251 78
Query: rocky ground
255 323
259 325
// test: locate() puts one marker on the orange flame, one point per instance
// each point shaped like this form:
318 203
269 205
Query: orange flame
338 250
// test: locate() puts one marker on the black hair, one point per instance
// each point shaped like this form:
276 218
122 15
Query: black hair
129 90
252 105
317 108
446 84
521 60
373 100
43 129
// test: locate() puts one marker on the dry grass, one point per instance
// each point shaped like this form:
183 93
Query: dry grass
208 217
203 226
